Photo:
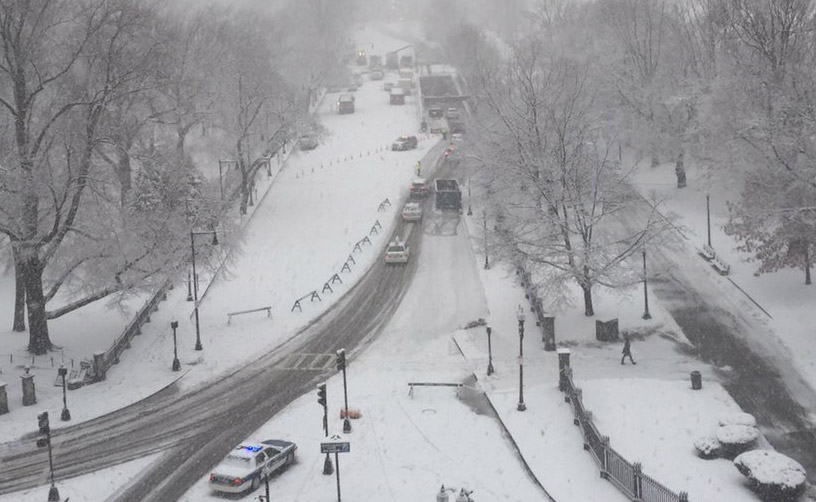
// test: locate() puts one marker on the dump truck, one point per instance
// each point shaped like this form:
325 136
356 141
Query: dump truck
447 195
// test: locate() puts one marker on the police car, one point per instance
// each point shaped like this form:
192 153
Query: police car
245 466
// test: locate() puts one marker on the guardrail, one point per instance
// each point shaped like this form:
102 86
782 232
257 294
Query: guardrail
628 477
358 247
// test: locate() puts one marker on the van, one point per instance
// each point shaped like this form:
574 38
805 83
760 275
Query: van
397 96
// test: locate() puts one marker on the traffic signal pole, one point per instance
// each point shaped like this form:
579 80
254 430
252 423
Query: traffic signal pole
45 428
341 365
322 400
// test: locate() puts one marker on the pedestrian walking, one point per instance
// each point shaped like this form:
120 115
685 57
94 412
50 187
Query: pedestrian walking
627 350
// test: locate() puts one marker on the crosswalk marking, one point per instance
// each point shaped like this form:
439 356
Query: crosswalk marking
307 362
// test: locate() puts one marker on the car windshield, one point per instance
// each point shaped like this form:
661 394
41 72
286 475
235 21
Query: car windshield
396 249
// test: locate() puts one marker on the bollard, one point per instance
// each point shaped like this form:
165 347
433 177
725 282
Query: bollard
548 332
696 380
563 364
3 399
29 392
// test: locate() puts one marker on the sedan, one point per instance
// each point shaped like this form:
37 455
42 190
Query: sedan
307 142
404 143
245 466
397 252
412 212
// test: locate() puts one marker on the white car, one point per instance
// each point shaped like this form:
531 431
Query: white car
377 75
457 137
245 466
412 212
397 252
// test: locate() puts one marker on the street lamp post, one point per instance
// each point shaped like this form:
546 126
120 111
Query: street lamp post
193 233
189 288
176 362
484 222
646 314
66 415
489 352
470 211
520 315
708 218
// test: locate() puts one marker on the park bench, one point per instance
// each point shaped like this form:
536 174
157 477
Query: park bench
411 386
720 266
242 312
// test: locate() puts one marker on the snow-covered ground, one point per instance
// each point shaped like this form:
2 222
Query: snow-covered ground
404 447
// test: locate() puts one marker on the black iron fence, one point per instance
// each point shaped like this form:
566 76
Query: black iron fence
626 476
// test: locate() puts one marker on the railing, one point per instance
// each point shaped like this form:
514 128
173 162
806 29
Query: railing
626 476
620 472
134 327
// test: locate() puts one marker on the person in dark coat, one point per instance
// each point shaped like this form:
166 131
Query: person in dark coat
627 350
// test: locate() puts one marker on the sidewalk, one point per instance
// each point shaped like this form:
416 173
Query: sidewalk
649 411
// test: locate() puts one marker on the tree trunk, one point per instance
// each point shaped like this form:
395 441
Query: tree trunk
19 294
807 263
680 170
125 175
32 269
589 311
244 181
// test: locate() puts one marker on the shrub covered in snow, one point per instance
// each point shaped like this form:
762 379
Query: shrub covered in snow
736 439
738 418
707 447
772 475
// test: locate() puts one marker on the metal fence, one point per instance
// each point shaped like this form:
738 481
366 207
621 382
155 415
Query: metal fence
627 477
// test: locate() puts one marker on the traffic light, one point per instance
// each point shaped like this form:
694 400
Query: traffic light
42 423
321 395
341 359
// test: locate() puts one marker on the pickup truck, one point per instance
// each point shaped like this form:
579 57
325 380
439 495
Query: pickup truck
448 195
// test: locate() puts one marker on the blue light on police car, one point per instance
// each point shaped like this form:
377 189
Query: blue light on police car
252 447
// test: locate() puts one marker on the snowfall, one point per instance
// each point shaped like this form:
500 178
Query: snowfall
311 215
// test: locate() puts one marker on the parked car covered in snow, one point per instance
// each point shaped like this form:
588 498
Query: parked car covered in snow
307 142
404 143
244 467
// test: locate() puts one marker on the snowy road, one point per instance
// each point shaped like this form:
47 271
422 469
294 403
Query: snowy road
197 429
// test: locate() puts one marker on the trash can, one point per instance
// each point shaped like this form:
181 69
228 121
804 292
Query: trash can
696 380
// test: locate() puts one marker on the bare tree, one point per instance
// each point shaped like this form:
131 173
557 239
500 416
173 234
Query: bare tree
562 189
63 63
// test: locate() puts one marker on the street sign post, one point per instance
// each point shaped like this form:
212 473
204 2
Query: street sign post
336 447
343 447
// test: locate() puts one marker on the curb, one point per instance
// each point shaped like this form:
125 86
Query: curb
507 432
